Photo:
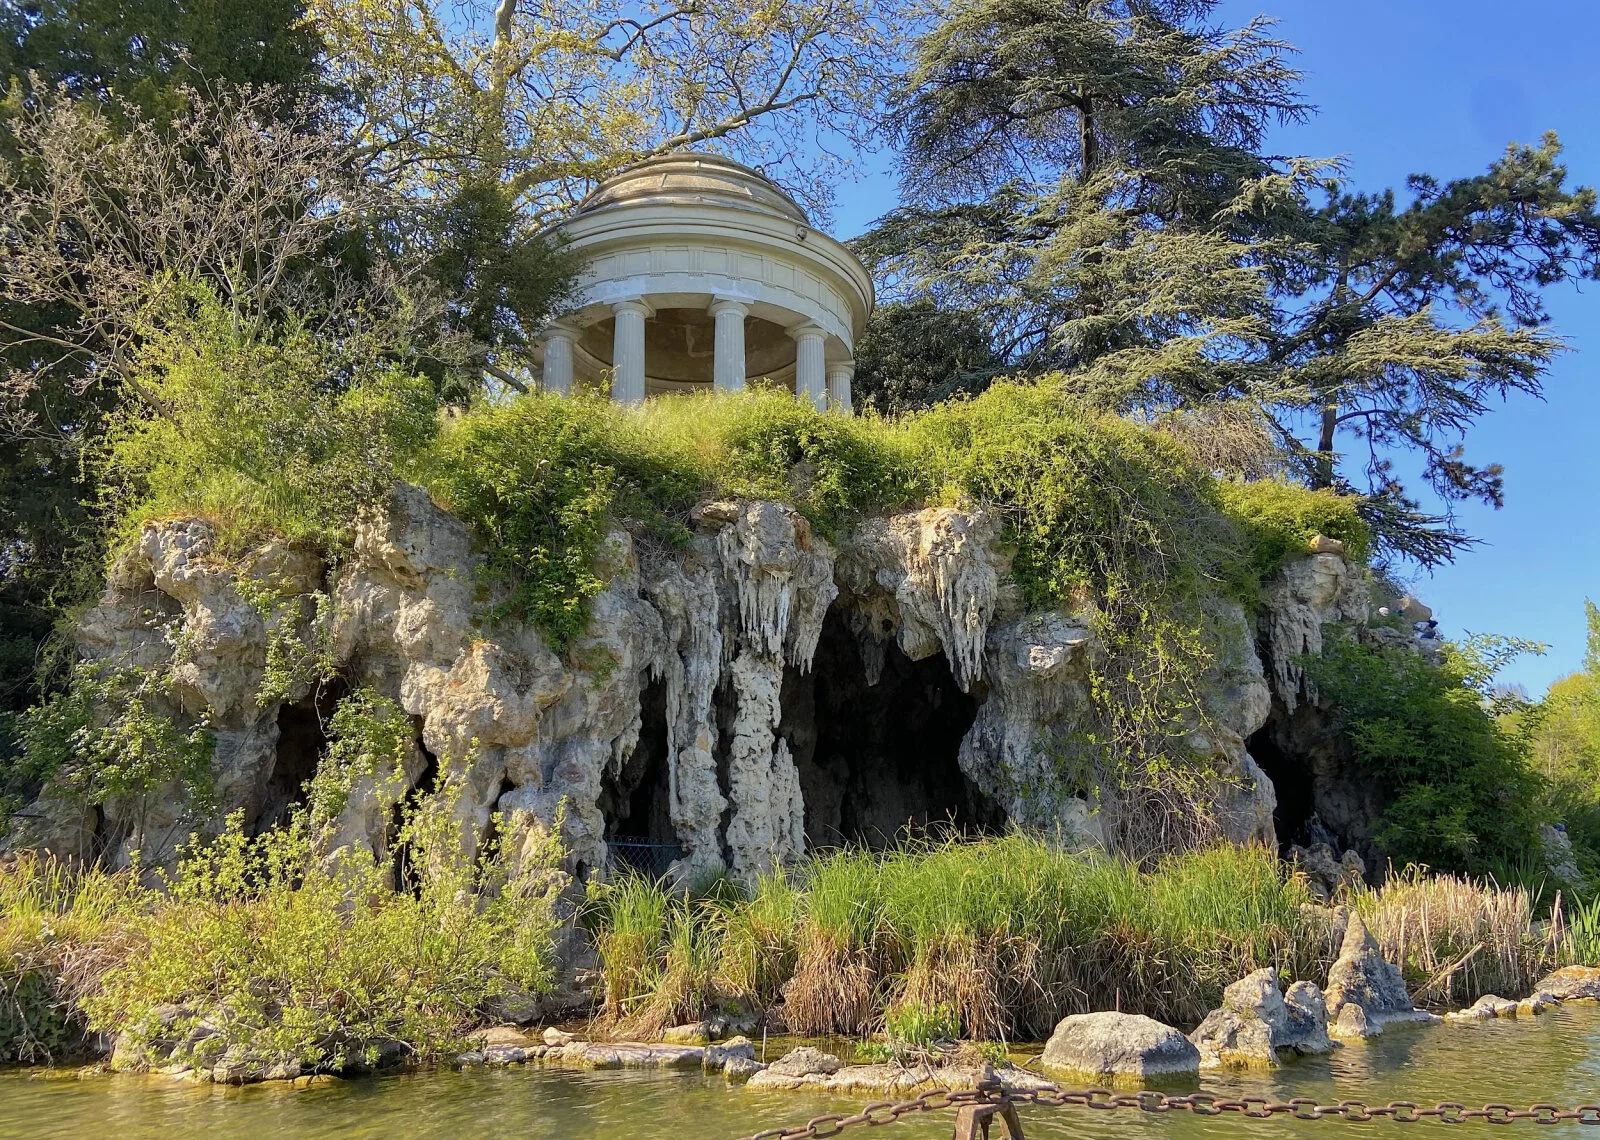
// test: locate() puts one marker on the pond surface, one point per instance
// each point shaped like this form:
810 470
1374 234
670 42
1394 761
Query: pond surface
1554 1058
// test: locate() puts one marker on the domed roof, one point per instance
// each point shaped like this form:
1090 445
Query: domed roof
691 178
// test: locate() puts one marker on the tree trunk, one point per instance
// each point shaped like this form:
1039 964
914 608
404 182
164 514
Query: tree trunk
1322 476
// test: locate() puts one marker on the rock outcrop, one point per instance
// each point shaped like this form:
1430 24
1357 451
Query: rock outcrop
1571 983
1365 991
685 716
1119 1047
1258 1027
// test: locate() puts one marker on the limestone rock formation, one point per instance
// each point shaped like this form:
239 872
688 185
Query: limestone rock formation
1257 1025
1571 983
803 1062
689 716
1365 992
1119 1045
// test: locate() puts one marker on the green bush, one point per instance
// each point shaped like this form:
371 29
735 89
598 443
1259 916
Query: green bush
263 431
541 479
1564 730
108 736
1278 519
1459 790
286 953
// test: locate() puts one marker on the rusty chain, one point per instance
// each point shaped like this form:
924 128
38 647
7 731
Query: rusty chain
1200 1104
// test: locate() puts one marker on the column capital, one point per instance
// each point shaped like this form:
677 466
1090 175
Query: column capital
842 368
728 305
562 329
807 331
633 305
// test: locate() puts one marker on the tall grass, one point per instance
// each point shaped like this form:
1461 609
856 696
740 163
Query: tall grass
57 935
1456 939
1583 933
1008 934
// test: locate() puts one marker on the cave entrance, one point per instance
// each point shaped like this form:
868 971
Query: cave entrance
1291 782
637 800
302 738
877 761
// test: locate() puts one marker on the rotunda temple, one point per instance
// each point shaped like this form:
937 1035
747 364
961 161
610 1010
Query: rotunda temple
702 274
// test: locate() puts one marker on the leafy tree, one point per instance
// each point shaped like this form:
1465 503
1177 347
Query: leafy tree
1460 793
146 52
150 51
549 98
1090 177
916 354
1566 746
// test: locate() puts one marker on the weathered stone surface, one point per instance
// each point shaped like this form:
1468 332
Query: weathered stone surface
1119 1045
557 1039
1257 1027
1571 983
1365 992
857 1080
1560 858
627 1055
735 1049
1486 1008
803 1062
1325 874
1309 593
695 1033
738 1070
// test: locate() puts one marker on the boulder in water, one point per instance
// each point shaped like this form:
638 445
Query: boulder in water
1114 1045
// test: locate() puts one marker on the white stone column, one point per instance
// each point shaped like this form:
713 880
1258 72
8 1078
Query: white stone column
627 352
839 377
810 369
728 367
558 341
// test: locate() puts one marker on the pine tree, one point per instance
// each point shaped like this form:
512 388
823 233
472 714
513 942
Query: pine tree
1090 177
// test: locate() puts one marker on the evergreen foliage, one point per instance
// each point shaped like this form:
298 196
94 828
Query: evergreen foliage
1090 177
914 354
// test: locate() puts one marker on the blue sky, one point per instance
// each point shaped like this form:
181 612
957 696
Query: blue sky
1440 87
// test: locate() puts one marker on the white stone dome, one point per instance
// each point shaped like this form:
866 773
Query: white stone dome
694 179
701 273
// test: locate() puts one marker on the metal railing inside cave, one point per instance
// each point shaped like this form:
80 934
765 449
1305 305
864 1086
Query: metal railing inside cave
642 855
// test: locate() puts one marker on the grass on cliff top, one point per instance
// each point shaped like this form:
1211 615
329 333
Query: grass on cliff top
294 436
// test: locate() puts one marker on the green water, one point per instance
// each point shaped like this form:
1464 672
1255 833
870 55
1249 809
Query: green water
1555 1058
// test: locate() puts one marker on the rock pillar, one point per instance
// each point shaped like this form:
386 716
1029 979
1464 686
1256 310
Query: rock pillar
839 377
627 352
558 341
728 367
810 369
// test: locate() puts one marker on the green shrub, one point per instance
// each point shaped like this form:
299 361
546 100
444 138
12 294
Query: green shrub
1459 791
541 479
1279 519
108 737
285 953
263 432
1564 735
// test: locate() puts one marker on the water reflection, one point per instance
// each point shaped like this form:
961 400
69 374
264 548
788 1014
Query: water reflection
1555 1058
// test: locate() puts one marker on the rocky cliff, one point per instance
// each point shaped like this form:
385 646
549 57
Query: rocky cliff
729 703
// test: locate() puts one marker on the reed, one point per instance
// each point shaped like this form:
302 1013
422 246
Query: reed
1456 939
